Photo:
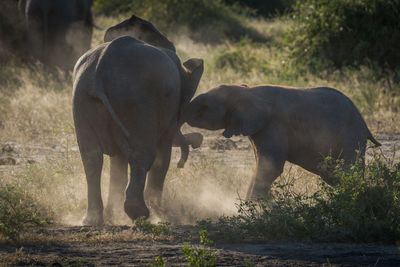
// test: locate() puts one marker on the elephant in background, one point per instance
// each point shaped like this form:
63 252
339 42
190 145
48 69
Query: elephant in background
302 126
59 31
127 103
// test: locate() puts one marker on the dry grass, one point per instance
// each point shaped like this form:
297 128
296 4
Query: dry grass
108 234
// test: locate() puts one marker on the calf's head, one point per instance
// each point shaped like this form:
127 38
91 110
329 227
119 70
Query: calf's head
232 108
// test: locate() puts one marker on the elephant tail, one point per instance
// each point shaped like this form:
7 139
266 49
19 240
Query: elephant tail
372 139
102 96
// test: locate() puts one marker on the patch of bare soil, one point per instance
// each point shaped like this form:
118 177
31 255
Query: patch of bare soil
76 246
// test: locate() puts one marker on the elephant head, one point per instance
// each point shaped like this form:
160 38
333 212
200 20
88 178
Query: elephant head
230 108
139 29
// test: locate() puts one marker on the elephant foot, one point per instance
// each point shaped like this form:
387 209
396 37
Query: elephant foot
135 210
115 216
92 219
259 193
109 215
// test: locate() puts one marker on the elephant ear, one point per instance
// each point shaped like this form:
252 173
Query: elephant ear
147 33
194 69
140 29
248 117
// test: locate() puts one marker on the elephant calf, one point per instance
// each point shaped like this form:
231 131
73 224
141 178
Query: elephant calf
302 126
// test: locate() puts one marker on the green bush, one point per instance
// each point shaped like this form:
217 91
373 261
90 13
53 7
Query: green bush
266 8
158 262
114 7
169 13
18 210
240 58
196 256
156 229
339 33
202 256
363 207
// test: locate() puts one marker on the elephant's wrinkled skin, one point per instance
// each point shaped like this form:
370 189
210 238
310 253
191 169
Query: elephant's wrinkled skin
127 101
145 31
59 31
302 126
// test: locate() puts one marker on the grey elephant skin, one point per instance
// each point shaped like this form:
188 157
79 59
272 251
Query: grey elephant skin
127 101
302 126
59 31
146 32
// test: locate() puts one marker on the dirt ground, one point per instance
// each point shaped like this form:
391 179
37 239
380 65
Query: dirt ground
142 251
125 246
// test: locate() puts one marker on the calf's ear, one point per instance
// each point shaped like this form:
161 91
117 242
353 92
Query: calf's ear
248 117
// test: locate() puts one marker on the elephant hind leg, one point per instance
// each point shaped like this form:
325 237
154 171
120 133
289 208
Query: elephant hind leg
118 182
270 151
93 163
268 169
351 155
157 173
134 204
92 158
140 158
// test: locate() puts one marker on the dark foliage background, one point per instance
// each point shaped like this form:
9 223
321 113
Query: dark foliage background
341 33
325 33
267 8
202 17
11 30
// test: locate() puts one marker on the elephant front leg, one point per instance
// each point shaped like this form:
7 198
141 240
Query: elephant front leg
118 182
268 169
270 152
93 163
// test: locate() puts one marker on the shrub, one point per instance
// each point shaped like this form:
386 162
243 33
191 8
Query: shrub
18 210
339 33
156 229
193 13
197 15
240 58
196 256
267 8
114 7
158 262
200 256
363 207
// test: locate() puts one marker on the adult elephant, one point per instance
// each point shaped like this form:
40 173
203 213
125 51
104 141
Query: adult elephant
127 101
302 126
59 31
146 32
